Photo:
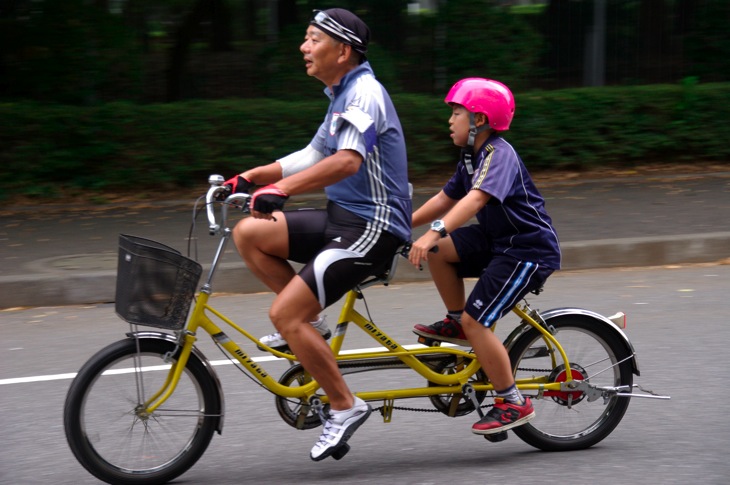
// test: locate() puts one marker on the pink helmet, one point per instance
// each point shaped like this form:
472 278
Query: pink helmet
480 95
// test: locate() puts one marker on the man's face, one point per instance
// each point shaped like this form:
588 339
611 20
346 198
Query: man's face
321 54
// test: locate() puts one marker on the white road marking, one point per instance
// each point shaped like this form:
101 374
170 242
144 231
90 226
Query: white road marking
267 358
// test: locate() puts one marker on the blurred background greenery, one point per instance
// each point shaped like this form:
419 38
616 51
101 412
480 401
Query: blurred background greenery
141 94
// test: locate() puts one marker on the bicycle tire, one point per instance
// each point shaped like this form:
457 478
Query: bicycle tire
569 421
112 441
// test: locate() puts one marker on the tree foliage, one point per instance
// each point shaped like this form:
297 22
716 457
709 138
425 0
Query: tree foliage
68 51
56 149
92 51
485 40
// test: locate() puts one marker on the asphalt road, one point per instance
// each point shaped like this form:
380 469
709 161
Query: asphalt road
676 320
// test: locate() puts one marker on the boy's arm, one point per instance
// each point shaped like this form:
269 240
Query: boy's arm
464 210
435 207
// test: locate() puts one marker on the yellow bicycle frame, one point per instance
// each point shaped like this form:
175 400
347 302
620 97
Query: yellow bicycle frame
445 383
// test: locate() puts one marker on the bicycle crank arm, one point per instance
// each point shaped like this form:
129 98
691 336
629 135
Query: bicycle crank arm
471 395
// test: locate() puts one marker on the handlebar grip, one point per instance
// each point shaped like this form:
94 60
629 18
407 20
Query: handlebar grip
218 192
405 251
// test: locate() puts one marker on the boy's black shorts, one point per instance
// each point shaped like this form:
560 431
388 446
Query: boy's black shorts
503 280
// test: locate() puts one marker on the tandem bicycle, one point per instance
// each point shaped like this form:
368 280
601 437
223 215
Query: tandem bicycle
144 409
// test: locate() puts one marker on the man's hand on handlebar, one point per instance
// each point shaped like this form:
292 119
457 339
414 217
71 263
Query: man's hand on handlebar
267 200
236 185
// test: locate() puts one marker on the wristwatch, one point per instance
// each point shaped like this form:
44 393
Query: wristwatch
438 226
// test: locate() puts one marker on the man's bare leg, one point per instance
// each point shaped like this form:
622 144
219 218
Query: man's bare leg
264 246
291 312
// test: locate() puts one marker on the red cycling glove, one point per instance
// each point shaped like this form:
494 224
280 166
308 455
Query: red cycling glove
268 199
238 184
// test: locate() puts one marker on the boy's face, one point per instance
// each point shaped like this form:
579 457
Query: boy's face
459 125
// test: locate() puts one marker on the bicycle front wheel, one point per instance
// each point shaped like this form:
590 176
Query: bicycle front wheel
108 430
568 420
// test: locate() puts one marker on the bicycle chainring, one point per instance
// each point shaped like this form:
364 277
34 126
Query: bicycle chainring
296 412
455 404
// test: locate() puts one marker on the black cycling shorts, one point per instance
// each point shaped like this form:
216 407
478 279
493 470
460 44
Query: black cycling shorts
338 249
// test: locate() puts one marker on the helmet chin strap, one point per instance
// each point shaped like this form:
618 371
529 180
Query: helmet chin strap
467 153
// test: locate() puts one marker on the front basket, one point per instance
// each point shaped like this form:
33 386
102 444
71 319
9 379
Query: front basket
155 283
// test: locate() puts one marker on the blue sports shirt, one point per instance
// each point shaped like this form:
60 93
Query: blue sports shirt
361 117
514 219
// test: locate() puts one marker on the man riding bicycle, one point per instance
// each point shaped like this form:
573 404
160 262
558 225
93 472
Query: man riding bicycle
358 156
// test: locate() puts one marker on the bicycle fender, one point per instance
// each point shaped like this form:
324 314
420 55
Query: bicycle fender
600 319
198 355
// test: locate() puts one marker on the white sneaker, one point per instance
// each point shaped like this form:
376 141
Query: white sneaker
275 340
338 428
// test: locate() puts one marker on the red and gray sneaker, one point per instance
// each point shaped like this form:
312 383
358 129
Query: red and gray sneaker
447 330
504 416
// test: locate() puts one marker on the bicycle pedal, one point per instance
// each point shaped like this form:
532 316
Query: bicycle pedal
429 342
497 437
340 452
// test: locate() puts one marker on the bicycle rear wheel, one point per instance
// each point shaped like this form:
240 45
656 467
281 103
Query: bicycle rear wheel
568 420
110 435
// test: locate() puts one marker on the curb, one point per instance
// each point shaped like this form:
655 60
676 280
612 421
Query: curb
646 251
78 287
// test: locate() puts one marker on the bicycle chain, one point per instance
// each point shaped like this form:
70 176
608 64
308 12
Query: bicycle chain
546 371
418 410
381 409
421 410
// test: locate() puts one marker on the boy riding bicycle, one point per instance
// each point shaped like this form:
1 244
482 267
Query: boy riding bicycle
512 249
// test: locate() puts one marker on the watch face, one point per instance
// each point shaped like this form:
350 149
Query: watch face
439 227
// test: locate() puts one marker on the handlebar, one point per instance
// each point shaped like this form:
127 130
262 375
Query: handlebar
242 200
213 195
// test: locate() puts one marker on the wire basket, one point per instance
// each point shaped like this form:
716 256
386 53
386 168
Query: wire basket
155 283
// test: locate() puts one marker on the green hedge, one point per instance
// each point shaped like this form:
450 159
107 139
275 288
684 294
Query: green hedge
123 146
